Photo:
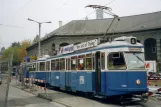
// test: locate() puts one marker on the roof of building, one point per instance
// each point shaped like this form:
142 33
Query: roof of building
99 26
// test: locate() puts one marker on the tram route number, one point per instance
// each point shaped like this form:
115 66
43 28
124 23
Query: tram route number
81 79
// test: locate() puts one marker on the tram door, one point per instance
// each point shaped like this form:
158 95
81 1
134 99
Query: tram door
98 71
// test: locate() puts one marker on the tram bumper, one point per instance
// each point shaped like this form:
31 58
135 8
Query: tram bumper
129 89
126 91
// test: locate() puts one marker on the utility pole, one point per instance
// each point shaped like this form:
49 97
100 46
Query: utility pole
0 68
39 53
8 79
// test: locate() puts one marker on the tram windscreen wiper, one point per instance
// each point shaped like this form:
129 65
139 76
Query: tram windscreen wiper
138 57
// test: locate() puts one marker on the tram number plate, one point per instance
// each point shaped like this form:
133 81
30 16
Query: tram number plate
57 77
81 79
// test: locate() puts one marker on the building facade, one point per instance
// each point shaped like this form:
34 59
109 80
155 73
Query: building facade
146 27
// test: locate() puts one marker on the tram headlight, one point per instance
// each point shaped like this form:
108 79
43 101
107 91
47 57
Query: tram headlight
138 82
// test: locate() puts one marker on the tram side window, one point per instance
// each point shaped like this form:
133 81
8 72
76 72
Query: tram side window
57 64
81 62
34 67
102 60
47 65
42 66
93 59
68 64
116 61
31 67
62 64
52 65
74 63
38 66
89 62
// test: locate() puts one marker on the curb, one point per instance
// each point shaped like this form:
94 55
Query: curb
62 103
50 99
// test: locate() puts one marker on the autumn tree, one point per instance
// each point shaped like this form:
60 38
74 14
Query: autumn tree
24 44
19 51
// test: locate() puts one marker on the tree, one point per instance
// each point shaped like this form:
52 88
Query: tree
24 45
15 44
36 39
19 51
2 49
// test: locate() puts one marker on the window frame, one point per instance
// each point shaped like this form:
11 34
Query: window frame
60 61
40 66
91 57
104 60
47 65
51 61
68 63
37 66
81 56
93 61
154 48
74 57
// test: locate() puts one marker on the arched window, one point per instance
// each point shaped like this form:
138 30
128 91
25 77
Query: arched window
53 46
150 49
63 44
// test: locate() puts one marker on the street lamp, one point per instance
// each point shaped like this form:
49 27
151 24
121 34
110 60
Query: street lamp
39 54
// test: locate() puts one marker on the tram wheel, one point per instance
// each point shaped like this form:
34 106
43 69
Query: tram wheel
89 95
122 100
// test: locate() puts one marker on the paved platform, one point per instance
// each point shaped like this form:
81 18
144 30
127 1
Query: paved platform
66 99
69 100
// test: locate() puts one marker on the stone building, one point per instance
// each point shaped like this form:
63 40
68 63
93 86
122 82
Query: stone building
146 27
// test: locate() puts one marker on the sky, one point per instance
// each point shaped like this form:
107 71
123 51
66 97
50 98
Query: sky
15 27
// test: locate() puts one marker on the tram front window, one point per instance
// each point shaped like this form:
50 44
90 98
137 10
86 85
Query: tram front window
135 61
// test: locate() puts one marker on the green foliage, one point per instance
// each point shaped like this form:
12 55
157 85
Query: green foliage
18 50
36 39
15 44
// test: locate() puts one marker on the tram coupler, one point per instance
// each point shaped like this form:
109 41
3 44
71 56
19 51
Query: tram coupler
142 97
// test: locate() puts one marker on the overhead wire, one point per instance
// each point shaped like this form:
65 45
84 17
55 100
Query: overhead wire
17 11
24 6
61 6
85 17
138 24
11 26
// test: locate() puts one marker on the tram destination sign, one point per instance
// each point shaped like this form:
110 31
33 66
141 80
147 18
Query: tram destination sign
67 49
135 49
84 45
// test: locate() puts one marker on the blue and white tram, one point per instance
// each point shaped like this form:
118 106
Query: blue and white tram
38 71
113 68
